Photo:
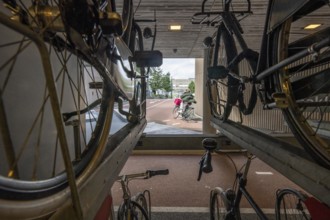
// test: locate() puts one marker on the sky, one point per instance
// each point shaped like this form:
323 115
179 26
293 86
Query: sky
179 68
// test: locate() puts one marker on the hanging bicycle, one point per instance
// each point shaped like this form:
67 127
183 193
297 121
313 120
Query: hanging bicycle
289 72
64 64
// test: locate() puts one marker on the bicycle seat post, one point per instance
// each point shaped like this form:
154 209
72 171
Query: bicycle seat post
247 165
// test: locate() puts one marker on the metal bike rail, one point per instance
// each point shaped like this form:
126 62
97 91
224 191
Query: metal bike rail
97 187
291 161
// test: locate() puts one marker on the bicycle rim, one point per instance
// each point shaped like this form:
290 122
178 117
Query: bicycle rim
176 112
141 200
305 85
290 205
219 204
222 91
32 165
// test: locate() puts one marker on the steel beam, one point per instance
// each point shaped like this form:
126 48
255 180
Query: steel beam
290 160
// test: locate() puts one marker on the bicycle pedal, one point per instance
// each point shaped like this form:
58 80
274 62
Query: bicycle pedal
281 100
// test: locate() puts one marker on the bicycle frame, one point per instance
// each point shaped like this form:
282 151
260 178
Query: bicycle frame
242 191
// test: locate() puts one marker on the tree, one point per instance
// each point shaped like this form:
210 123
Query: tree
159 81
191 87
166 83
155 79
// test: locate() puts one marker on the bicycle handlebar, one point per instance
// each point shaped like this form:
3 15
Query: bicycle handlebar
152 173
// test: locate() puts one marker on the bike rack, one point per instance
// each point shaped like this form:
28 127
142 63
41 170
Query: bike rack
95 190
291 161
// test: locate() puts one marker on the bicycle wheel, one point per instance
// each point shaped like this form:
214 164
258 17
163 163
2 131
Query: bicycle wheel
32 165
290 205
305 84
190 114
134 212
137 106
222 88
220 205
141 200
176 112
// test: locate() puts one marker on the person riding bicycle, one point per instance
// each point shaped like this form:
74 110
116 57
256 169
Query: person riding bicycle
187 98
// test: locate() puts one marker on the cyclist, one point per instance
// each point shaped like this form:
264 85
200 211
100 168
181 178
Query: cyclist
187 98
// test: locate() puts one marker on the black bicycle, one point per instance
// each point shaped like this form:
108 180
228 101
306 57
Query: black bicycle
290 72
225 204
138 206
64 64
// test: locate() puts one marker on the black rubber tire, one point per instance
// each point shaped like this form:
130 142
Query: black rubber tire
290 205
25 186
176 112
301 120
219 205
224 48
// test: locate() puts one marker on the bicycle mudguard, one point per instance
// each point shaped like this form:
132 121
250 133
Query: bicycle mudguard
282 9
317 209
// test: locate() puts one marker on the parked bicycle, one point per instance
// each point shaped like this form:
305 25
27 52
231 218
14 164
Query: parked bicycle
63 66
290 71
225 204
138 206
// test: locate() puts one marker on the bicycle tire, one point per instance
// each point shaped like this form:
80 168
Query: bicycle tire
222 91
71 85
142 201
124 212
220 205
190 113
176 112
290 205
304 85
139 97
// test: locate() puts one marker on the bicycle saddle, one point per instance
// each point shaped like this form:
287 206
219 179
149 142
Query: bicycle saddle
209 144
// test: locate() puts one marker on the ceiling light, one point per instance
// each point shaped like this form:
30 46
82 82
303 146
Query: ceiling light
175 27
312 26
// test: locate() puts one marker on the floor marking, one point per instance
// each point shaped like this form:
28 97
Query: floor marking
175 123
166 120
202 210
263 173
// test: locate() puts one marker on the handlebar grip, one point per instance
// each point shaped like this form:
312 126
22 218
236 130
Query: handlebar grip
157 172
207 166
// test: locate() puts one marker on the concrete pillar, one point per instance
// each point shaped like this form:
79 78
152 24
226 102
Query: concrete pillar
199 86
207 128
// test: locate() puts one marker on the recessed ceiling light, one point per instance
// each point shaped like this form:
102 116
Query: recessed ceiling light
175 27
263 173
312 26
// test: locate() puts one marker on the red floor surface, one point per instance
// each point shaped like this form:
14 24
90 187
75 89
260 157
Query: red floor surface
181 188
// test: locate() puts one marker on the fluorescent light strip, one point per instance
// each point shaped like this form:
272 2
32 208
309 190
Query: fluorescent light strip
175 27
312 26
263 173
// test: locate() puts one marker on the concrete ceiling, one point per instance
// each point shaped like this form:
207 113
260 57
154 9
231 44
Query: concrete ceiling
188 43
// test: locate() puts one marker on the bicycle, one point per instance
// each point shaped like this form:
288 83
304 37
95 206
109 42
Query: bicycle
138 206
225 204
86 56
185 112
289 72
